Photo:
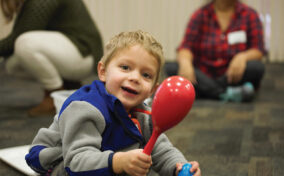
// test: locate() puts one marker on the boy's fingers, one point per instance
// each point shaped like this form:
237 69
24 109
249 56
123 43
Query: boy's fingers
179 166
198 172
145 158
195 166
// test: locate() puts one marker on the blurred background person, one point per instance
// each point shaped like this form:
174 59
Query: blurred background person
221 51
54 41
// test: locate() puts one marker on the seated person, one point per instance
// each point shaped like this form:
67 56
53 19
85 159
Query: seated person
221 51
102 128
48 43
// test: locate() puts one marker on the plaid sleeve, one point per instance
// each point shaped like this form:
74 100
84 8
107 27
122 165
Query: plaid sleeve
192 31
255 32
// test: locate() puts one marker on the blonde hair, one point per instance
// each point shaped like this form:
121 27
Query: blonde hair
128 39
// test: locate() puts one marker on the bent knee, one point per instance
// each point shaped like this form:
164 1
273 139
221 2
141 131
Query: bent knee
256 66
27 42
255 69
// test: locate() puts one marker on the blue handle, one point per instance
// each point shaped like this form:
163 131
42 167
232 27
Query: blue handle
185 170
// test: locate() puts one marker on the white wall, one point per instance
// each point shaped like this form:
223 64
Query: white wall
272 13
167 19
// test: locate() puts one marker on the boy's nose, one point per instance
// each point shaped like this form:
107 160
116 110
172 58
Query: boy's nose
135 76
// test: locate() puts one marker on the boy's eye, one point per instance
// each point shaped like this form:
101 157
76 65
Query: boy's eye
124 67
147 75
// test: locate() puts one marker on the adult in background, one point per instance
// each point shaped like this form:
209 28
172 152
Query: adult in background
221 51
55 41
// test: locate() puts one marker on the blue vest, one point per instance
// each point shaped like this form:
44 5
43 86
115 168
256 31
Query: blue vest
120 132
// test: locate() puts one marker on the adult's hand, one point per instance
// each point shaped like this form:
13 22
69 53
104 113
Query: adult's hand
187 71
186 68
237 68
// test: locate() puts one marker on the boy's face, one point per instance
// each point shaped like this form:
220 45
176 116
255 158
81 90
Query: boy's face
130 75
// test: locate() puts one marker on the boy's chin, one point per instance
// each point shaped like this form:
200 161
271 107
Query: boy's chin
129 107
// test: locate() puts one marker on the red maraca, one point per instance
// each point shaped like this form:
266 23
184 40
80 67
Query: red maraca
171 104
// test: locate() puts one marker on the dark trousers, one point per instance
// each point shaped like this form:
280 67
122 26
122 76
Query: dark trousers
208 87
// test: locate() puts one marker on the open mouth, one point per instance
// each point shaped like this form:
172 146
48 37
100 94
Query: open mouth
129 90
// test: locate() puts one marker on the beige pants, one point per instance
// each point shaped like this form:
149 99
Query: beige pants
48 57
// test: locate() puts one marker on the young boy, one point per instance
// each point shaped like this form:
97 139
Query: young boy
102 128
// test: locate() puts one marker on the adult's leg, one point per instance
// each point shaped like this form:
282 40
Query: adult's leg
254 73
205 87
51 56
171 68
13 67
244 90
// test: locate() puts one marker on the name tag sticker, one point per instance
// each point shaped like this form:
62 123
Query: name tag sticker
237 37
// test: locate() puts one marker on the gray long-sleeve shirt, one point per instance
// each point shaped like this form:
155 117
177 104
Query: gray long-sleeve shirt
92 126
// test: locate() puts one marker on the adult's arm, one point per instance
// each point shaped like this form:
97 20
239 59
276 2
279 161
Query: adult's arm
185 62
255 50
185 55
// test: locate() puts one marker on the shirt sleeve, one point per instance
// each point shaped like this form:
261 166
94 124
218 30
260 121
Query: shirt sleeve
76 137
81 127
34 15
165 156
46 149
192 31
255 32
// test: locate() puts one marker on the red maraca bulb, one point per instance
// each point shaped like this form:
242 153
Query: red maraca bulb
172 102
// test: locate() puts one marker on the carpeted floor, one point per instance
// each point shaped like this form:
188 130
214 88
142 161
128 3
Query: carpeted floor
228 139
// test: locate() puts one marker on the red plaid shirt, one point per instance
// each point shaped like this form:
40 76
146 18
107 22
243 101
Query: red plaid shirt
209 45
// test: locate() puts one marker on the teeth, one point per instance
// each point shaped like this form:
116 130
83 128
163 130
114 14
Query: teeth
129 90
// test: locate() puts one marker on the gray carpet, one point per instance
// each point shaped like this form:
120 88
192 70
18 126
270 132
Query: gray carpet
228 139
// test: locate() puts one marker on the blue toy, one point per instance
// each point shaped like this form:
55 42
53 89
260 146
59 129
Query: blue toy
185 170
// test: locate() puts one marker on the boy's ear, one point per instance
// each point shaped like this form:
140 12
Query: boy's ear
101 71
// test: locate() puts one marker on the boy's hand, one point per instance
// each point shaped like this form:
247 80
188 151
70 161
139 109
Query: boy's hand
194 169
133 162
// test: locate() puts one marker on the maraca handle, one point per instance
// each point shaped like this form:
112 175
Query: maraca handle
185 171
149 146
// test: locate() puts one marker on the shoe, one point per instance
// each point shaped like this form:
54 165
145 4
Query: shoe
248 92
244 93
46 107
